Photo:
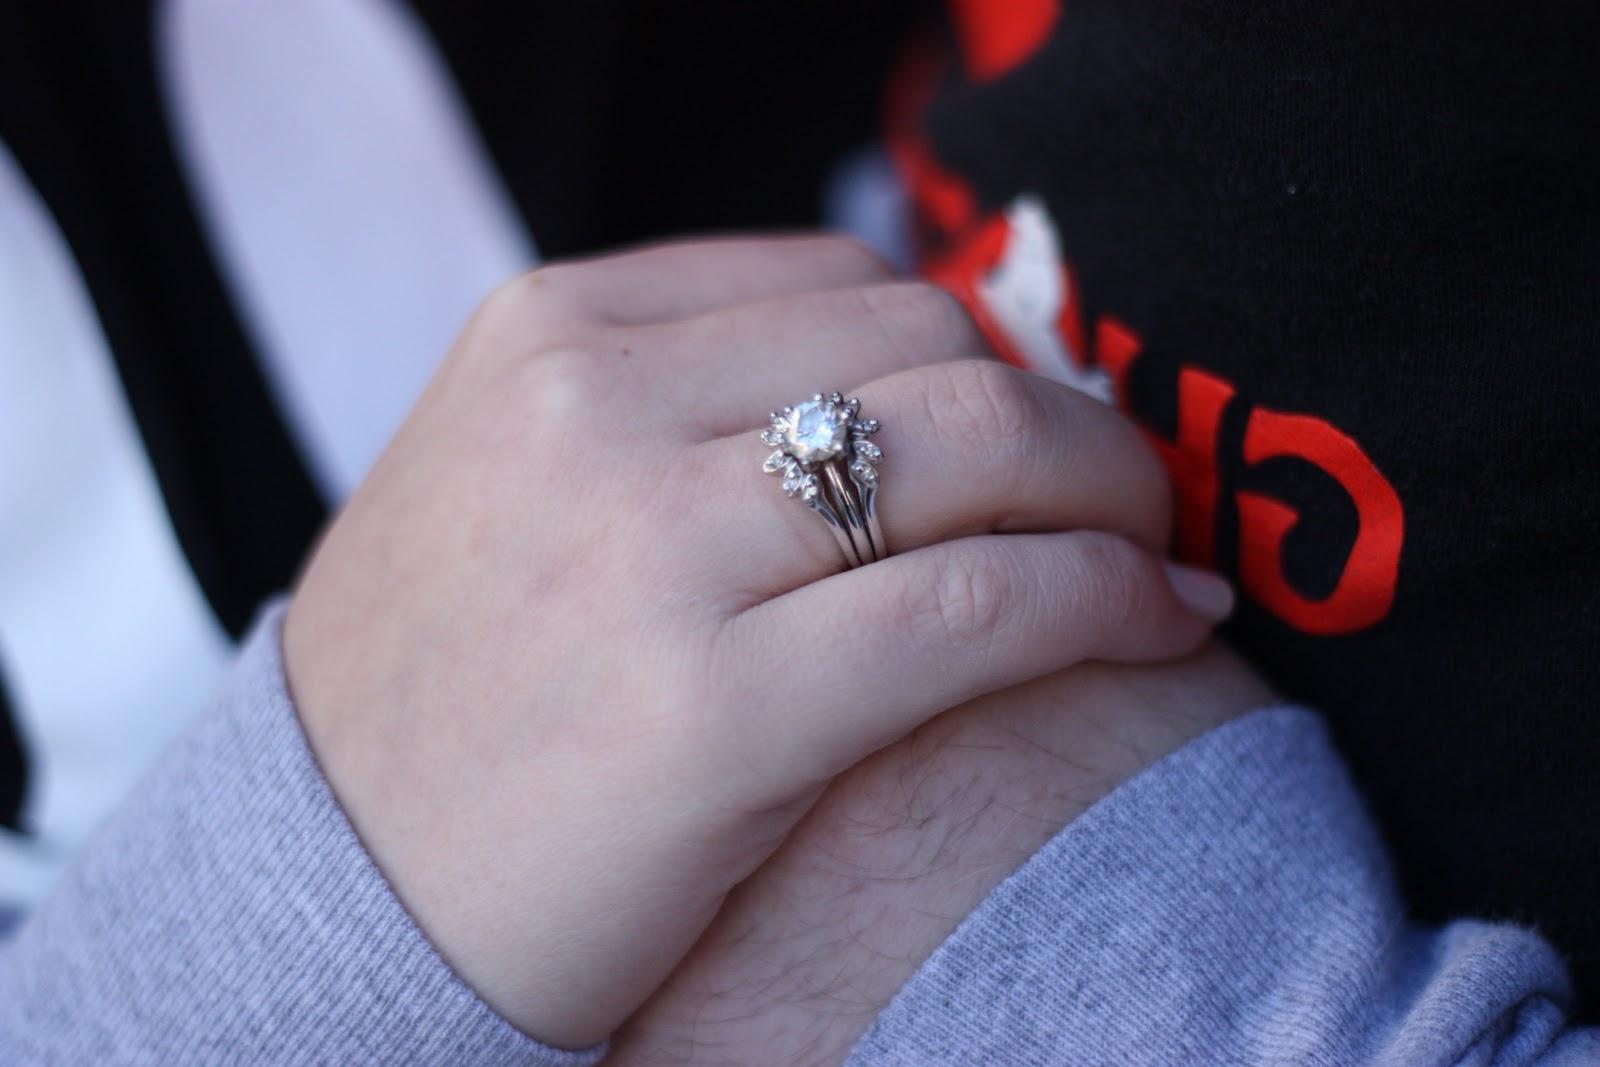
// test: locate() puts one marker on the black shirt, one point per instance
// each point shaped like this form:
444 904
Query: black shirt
1342 262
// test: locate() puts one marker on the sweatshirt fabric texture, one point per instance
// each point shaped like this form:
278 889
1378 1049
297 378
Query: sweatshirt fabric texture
1229 905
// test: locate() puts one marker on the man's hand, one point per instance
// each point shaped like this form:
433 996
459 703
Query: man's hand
900 849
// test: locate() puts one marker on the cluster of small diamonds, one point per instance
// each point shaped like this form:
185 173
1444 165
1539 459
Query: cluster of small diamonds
823 428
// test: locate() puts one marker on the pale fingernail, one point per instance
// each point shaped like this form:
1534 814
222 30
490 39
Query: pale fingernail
1202 592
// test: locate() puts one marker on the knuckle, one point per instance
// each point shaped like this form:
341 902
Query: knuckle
518 313
505 301
984 404
568 382
965 600
498 317
516 296
920 320
917 304
1117 578
553 281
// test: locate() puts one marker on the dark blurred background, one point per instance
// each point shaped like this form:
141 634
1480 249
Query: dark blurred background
615 121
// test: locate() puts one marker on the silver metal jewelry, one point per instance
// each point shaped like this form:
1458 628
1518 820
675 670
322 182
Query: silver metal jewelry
826 460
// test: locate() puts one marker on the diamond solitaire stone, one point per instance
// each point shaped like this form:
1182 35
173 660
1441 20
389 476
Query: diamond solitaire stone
818 430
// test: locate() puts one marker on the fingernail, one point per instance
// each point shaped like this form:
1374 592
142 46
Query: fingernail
1202 592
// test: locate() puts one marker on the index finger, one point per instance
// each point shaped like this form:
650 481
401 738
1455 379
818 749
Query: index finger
667 282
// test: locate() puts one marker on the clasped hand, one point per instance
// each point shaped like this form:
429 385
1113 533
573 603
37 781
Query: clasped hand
577 671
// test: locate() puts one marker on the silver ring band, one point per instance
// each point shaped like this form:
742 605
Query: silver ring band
839 513
840 490
869 509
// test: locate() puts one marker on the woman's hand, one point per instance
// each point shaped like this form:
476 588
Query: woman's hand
901 848
574 667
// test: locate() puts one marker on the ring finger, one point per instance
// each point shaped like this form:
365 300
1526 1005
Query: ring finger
970 447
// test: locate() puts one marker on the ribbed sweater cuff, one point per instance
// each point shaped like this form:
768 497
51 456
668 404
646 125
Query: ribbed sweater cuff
1230 904
228 913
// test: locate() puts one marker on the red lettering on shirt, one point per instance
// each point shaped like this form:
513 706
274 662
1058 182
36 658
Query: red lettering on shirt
1366 587
966 246
997 35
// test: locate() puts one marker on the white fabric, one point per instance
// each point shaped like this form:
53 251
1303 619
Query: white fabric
1026 295
107 642
358 221
349 200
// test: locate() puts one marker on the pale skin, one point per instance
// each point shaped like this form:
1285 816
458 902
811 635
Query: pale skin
576 669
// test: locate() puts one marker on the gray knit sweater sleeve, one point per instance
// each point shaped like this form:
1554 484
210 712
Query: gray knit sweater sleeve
228 914
1229 906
